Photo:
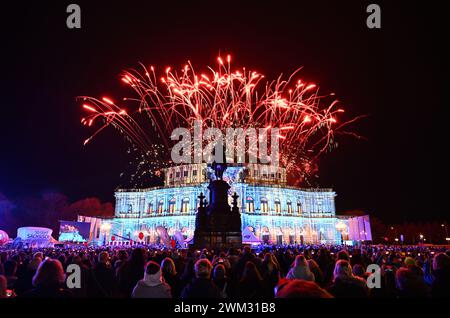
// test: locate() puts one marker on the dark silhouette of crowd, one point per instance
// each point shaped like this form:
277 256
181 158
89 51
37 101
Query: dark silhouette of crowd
266 272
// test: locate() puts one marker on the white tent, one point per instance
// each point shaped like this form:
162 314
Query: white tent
36 236
249 238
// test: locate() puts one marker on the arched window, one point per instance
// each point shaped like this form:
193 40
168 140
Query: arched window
299 207
250 205
130 208
319 205
289 206
172 204
185 205
277 206
150 208
264 205
160 206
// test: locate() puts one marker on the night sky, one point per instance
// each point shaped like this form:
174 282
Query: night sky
395 75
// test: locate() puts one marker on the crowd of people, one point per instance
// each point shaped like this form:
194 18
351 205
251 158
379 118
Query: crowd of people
265 272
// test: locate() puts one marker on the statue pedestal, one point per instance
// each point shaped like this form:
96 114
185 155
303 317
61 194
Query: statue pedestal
218 225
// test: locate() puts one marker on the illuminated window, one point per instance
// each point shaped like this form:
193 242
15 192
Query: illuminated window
185 205
172 204
160 206
130 208
289 207
277 206
150 208
319 205
299 207
250 205
264 205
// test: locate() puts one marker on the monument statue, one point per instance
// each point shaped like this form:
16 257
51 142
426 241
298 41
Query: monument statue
218 225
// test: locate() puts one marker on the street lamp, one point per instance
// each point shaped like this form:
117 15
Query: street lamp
105 228
446 232
340 226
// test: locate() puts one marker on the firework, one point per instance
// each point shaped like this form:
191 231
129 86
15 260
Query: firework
222 98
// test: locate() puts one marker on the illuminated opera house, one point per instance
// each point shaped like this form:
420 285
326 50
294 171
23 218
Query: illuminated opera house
271 211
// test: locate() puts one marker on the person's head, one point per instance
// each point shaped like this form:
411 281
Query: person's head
122 255
247 250
10 268
358 270
103 258
137 256
251 272
219 272
343 255
203 268
409 261
300 289
409 282
152 271
441 261
2 286
49 273
62 259
34 263
39 255
268 258
300 260
342 268
168 266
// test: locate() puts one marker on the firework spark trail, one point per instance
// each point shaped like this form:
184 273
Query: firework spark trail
224 98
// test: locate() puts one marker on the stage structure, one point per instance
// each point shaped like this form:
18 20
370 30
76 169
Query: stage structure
270 210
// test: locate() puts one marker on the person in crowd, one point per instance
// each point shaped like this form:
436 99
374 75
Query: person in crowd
222 259
10 268
247 256
24 281
440 287
201 286
345 285
343 255
410 284
270 272
131 272
220 279
152 285
48 282
359 271
409 261
102 277
252 284
316 271
300 289
170 275
122 257
300 270
3 287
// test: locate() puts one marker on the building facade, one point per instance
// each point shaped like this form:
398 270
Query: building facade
273 211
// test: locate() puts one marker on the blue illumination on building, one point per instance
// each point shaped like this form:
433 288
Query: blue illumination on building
274 212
